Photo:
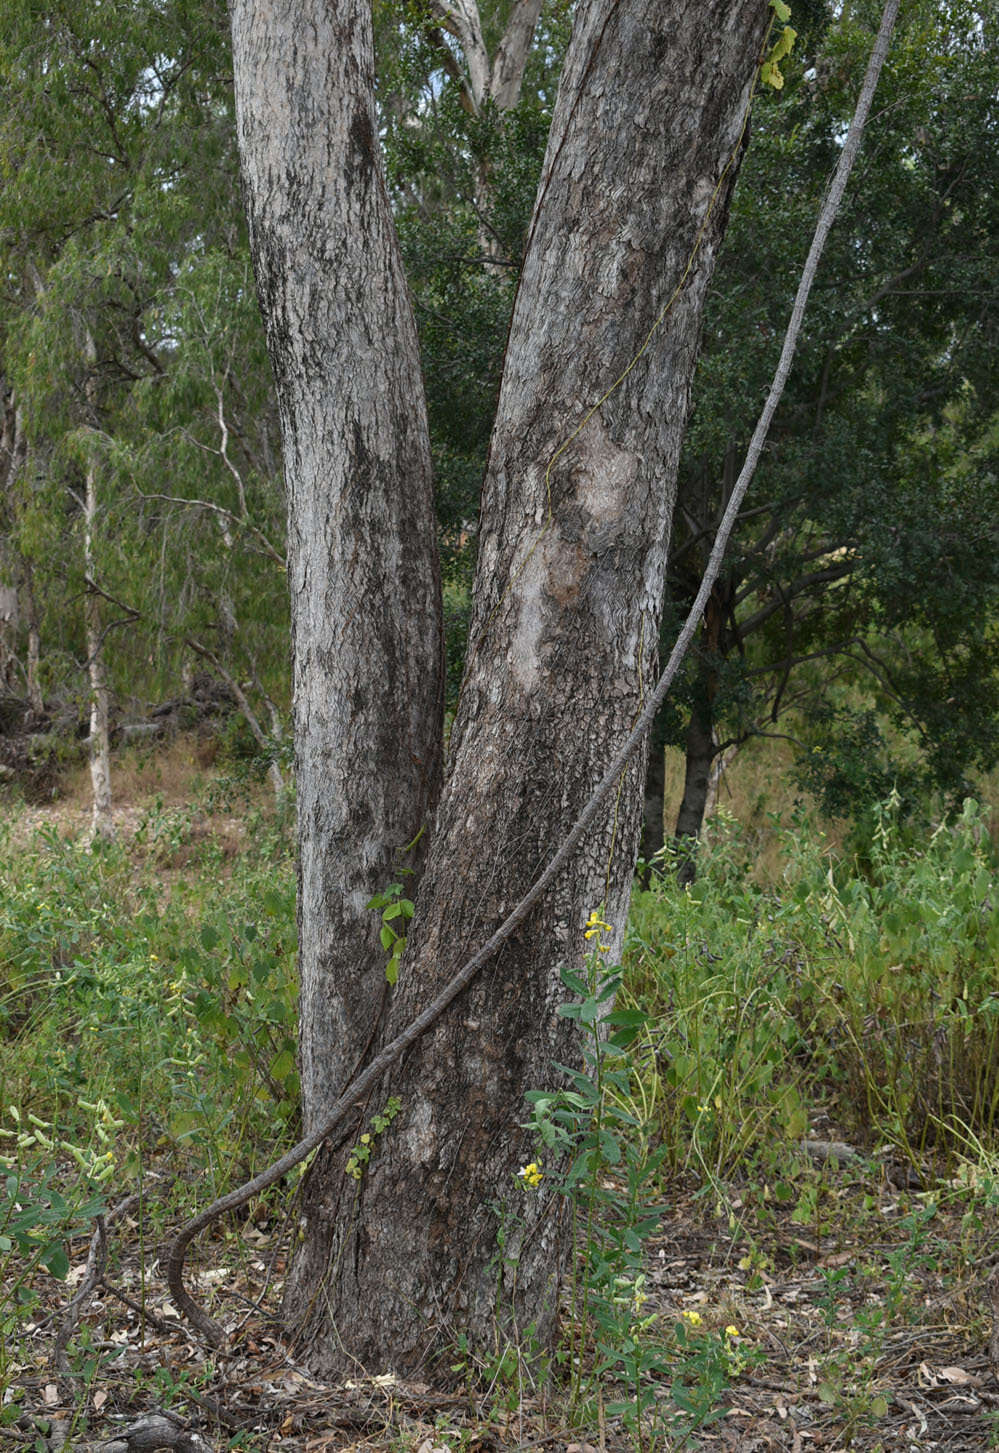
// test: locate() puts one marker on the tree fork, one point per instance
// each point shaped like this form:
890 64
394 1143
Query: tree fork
359 1087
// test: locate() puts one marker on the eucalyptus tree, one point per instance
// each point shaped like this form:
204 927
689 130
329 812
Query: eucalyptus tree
147 482
645 143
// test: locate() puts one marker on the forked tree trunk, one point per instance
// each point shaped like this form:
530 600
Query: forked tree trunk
362 562
646 136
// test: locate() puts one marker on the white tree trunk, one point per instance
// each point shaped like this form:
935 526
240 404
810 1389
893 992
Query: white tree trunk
362 554
102 820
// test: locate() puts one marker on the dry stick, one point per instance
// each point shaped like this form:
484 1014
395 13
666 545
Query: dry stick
366 1081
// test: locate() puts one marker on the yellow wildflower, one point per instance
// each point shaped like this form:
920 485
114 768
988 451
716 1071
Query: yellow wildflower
532 1175
731 1331
693 1319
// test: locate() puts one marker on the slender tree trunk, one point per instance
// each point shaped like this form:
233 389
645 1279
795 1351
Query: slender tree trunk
701 742
33 672
102 820
701 745
362 563
719 767
12 454
574 531
654 805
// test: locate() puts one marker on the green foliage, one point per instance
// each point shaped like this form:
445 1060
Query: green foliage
360 1156
394 910
130 345
176 1011
867 991
599 1127
863 575
38 1215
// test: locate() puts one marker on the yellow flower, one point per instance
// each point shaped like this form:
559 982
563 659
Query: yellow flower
532 1175
693 1319
731 1331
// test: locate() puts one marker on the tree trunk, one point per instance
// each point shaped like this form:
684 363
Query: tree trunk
362 562
102 820
654 806
35 698
701 745
12 455
701 741
575 521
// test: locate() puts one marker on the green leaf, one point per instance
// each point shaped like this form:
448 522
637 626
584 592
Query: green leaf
628 1017
55 1261
209 938
574 982
782 11
392 971
282 1065
609 1148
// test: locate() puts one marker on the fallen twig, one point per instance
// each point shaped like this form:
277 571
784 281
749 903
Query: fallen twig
93 1277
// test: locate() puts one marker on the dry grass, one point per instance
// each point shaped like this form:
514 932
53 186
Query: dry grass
175 771
758 789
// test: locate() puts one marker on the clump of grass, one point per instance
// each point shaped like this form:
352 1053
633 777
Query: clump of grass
174 1003
869 992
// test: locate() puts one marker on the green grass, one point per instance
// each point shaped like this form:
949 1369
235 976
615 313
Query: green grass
870 995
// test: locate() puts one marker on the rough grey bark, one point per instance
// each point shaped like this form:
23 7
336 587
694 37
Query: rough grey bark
573 538
362 564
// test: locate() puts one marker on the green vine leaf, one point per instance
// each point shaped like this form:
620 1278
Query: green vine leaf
770 71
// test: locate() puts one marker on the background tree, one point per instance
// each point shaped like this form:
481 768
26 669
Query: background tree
134 360
857 496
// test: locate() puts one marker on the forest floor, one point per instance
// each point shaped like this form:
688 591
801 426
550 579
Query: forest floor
838 1353
824 1303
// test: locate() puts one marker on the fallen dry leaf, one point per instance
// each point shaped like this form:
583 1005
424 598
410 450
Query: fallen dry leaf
958 1375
